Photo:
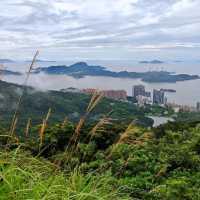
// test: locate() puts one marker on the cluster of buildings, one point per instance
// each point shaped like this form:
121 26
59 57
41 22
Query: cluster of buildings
144 97
112 94
138 92
120 95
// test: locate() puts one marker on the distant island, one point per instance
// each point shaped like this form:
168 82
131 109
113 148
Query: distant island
151 62
8 72
81 69
6 61
38 60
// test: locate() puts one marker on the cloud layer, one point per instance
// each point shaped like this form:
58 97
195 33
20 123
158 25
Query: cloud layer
100 28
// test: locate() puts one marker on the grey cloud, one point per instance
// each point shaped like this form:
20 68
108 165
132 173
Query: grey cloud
59 25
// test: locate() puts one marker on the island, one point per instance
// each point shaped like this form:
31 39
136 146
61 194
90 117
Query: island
81 69
8 72
6 61
151 62
41 61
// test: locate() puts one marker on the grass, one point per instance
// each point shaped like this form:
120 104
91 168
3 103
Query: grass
24 177
95 99
43 127
19 102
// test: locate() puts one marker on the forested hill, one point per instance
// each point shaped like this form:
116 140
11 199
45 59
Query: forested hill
35 105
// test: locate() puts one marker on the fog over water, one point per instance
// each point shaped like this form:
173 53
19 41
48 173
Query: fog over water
188 92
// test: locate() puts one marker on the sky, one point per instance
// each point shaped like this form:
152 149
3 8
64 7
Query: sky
100 29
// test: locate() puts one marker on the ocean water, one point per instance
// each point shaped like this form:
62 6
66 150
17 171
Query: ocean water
188 92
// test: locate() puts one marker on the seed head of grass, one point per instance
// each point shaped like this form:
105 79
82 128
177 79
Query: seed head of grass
99 127
16 112
43 127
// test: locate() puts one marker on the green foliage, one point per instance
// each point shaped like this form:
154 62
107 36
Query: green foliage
25 177
188 117
116 163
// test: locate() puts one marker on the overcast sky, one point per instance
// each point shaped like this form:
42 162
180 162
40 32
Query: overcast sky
100 29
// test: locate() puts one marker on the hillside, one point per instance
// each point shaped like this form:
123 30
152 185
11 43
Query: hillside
35 104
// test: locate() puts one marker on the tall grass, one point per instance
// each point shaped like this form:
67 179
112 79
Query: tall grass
16 112
65 121
43 127
27 129
123 137
1 71
99 127
95 99
25 177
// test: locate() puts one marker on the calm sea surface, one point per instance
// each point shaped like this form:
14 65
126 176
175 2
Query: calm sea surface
188 92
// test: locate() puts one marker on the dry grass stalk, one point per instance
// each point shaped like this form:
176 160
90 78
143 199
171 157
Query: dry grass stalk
65 121
14 127
126 133
24 87
31 67
99 126
1 71
124 136
80 125
75 136
145 137
28 125
95 99
43 127
94 96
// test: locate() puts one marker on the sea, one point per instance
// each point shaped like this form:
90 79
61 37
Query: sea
187 92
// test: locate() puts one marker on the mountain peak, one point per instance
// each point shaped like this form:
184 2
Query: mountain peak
79 64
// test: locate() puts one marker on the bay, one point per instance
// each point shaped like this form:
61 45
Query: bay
188 92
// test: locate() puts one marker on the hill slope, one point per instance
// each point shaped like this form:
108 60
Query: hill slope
35 105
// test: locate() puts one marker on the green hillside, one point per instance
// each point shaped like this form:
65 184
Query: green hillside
35 105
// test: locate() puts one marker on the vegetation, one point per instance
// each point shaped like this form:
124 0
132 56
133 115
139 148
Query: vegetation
115 163
100 160
188 116
26 177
